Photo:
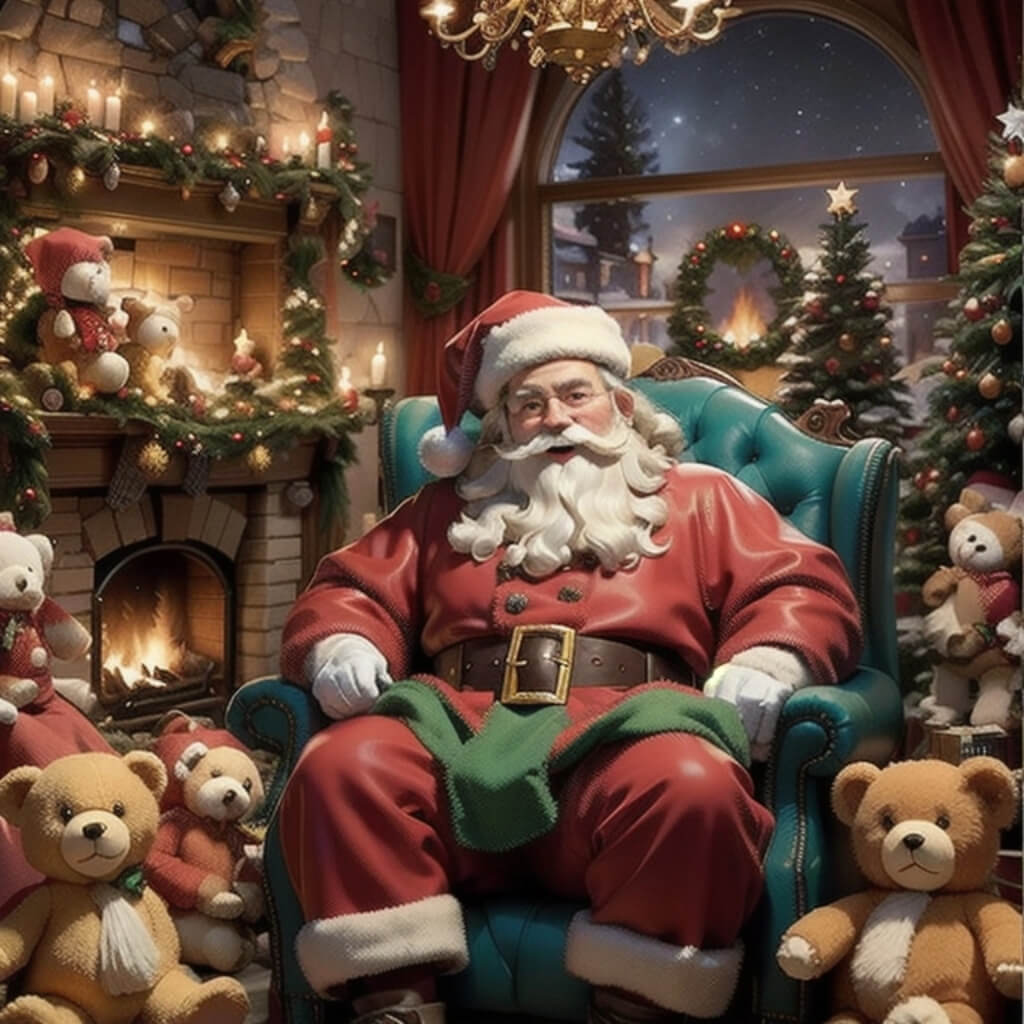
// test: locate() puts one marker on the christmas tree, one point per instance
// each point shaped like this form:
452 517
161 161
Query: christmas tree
615 131
975 410
842 347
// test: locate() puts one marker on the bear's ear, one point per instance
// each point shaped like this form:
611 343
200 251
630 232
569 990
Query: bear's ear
956 513
14 787
849 788
44 547
993 782
149 768
974 500
185 303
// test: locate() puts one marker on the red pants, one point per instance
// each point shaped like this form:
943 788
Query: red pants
661 836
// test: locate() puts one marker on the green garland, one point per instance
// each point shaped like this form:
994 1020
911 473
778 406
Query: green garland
739 245
251 419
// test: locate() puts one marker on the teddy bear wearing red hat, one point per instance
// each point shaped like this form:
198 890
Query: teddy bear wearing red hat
202 862
78 331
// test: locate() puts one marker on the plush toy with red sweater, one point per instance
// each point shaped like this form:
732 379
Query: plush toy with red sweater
204 863
78 331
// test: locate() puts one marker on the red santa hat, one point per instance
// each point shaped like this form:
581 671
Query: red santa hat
520 330
181 744
51 255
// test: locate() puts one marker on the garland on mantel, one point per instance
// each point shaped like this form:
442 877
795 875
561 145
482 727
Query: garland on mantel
251 419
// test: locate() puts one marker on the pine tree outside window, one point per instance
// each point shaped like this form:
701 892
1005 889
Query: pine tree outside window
640 164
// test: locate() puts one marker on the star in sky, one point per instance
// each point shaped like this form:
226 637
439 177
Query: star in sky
842 199
1013 122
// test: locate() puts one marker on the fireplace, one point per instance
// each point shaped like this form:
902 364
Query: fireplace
163 623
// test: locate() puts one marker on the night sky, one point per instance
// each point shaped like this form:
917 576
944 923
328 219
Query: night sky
777 89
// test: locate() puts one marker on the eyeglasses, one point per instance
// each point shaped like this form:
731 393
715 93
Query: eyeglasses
532 406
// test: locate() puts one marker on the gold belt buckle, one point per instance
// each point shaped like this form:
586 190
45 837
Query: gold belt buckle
510 692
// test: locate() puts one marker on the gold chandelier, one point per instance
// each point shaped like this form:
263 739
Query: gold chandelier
581 36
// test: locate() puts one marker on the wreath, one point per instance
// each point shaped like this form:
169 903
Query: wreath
740 245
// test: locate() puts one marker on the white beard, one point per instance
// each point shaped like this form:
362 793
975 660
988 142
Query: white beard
600 501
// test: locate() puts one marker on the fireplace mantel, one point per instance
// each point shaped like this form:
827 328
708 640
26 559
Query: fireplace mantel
86 449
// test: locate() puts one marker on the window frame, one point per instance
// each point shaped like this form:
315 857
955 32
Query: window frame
535 194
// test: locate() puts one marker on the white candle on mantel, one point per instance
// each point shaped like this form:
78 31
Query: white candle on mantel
323 143
94 105
304 146
286 147
379 367
46 94
28 106
112 114
8 94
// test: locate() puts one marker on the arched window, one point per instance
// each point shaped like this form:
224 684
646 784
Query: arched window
636 167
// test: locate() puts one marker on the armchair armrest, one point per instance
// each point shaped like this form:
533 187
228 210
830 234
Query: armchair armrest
272 715
821 729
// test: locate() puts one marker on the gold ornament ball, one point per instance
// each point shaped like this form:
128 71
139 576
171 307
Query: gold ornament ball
847 342
1002 332
885 341
990 386
1013 171
154 460
259 459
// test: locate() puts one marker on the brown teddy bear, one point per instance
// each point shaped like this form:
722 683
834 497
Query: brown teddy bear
970 599
96 944
928 943
201 861
153 331
79 332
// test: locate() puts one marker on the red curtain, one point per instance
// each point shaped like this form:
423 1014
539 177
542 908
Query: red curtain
971 51
463 129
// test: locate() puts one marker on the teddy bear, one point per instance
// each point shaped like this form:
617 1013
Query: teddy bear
969 599
153 330
927 942
78 331
202 862
94 941
35 723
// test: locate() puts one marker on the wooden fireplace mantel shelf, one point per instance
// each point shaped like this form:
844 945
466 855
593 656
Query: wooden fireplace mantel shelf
85 451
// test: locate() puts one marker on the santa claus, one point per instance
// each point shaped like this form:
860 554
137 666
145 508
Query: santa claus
562 593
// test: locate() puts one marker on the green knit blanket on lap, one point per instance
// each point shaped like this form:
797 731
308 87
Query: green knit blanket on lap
497 779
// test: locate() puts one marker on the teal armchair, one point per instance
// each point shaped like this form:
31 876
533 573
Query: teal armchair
839 494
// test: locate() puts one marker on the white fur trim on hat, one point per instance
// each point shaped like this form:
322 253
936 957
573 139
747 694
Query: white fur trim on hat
189 758
551 332
698 982
445 453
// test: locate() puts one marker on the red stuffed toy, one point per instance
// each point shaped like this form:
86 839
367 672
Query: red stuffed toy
201 862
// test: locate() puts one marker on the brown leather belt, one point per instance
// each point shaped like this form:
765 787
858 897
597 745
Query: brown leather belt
539 664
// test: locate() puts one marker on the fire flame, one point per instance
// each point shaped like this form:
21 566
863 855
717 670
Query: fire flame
745 324
138 647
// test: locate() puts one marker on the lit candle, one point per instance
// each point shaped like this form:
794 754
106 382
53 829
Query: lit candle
323 143
94 105
8 94
28 106
112 114
303 145
46 94
379 367
261 144
147 128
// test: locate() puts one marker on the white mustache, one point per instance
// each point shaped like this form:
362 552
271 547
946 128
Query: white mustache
612 444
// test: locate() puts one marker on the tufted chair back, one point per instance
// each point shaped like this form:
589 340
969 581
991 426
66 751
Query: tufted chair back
841 495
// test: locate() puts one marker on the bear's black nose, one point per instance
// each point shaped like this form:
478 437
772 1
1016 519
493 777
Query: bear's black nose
21 583
229 797
93 830
913 840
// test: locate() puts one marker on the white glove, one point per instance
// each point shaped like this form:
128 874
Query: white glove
347 673
757 696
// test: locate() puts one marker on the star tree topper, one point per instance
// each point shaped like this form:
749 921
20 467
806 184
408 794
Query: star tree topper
842 199
1013 122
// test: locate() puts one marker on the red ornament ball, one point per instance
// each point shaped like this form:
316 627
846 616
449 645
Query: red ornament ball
832 366
313 378
237 436
29 494
737 230
972 309
701 247
870 302
952 414
1002 331
187 149
991 302
694 260
975 439
949 367
840 279
912 536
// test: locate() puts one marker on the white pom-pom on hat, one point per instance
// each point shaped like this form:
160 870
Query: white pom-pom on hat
445 453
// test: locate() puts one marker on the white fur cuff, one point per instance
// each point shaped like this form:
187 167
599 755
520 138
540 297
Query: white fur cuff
685 979
336 949
779 663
